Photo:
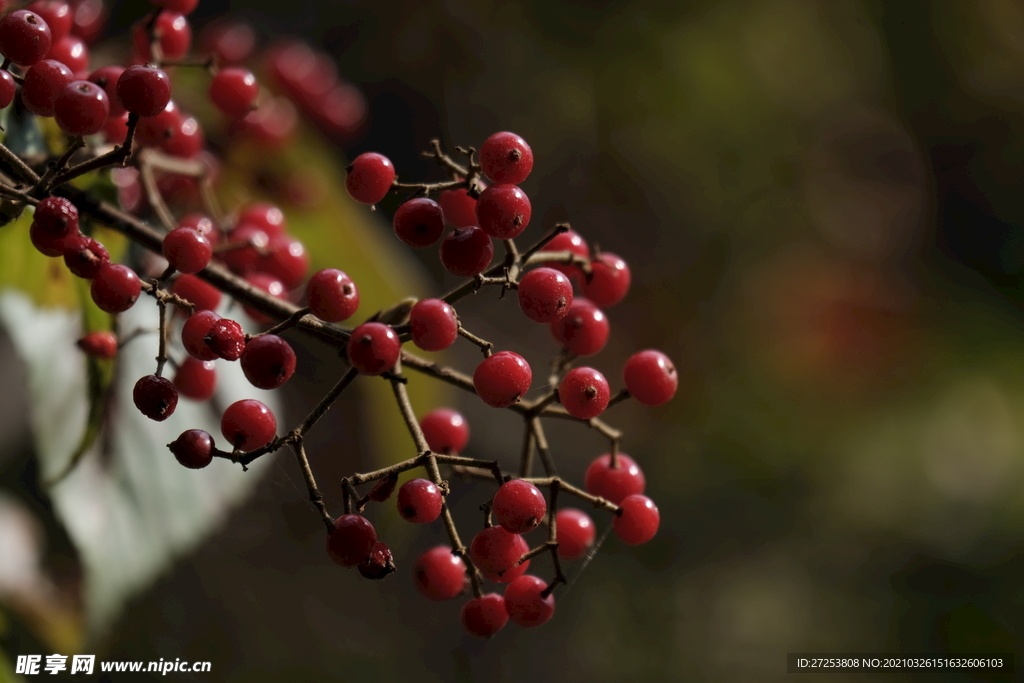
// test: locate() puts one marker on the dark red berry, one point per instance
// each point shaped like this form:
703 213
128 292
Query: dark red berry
484 616
175 37
419 222
506 158
231 42
383 489
503 211
226 338
115 130
155 397
156 131
115 288
56 216
419 501
43 84
48 244
200 293
609 280
106 77
248 424
187 250
370 177
502 379
332 296
467 252
193 449
194 332
446 431
569 241
614 483
25 38
433 324
203 225
57 14
373 348
196 379
233 90
90 19
267 217
518 506
576 533
650 377
638 520
101 344
7 89
458 208
517 570
545 295
379 563
286 259
583 330
83 256
525 603
495 550
73 53
186 140
249 240
439 575
584 393
144 90
351 540
268 361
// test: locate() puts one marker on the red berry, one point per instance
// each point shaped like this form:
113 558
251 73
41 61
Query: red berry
197 292
81 108
467 252
584 393
202 224
650 377
568 241
248 424
352 540
433 324
46 243
286 259
185 141
379 563
57 15
517 570
144 90
446 431
506 158
90 19
187 250
84 256
332 296
502 379
72 53
196 379
609 281
155 397
419 222
575 534
106 77
268 361
545 295
484 616
373 348
370 177
115 288
180 6
232 43
267 217
439 575
458 208
525 603
99 344
419 501
503 211
43 84
383 489
156 131
583 330
115 130
194 331
242 259
175 37
25 38
7 89
495 550
193 449
637 521
57 217
233 90
518 506
614 483
226 338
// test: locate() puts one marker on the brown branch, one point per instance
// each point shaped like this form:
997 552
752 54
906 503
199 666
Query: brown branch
315 496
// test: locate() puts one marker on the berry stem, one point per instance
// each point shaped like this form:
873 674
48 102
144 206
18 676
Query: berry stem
159 161
314 493
542 447
154 196
596 501
116 157
161 354
20 168
288 323
619 398
326 402
526 459
44 183
485 346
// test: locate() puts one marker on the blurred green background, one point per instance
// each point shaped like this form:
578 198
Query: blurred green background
820 202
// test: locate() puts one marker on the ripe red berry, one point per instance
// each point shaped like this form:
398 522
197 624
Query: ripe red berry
233 90
419 222
44 81
102 344
231 42
248 424
502 379
383 489
446 431
545 295
73 53
187 250
196 379
332 296
467 252
175 37
525 603
200 293
268 361
378 564
57 14
584 393
265 216
503 211
194 331
7 89
81 108
517 570
193 449
286 259
83 256
115 131
484 616
369 177
650 377
46 243
144 90
637 521
518 506
609 281
583 330
568 241
352 540
226 338
185 141
439 575
506 158
106 77
373 348
419 501
241 259
25 38
458 208
575 533
202 224
433 324
115 288
156 131
155 397
614 483
90 19
495 550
